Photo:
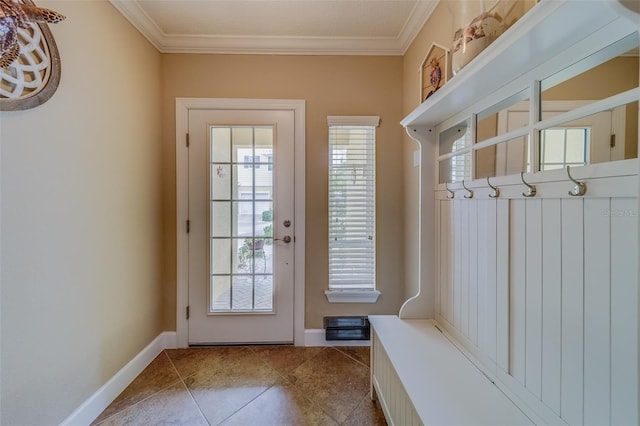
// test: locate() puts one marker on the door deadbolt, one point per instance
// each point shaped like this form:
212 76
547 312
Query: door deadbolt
287 223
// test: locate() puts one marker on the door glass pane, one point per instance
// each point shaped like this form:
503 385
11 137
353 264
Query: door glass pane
241 226
220 256
220 292
220 182
220 144
243 216
220 219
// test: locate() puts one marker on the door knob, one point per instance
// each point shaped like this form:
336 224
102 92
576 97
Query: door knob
286 239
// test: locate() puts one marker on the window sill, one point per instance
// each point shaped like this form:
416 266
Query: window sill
352 296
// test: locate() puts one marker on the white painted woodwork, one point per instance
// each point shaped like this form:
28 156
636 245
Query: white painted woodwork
572 311
551 303
550 37
565 299
447 389
277 324
502 298
517 290
624 311
597 312
183 107
540 293
386 27
533 297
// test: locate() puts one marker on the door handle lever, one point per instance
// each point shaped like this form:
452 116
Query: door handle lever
286 239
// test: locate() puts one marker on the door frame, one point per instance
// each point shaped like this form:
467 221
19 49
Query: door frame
183 105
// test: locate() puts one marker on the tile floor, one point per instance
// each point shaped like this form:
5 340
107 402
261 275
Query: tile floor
250 385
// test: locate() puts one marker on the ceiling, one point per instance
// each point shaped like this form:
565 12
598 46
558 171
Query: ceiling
309 27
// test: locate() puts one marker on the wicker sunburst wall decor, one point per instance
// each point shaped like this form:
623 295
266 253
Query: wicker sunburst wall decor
29 58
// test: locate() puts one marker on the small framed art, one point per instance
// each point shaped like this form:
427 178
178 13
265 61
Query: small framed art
434 71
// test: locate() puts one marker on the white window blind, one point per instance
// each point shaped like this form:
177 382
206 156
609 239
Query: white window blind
352 203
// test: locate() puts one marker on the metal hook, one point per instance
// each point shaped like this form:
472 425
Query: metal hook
451 193
468 190
580 189
496 191
532 188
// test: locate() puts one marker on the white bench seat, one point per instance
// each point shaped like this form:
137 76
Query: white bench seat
442 386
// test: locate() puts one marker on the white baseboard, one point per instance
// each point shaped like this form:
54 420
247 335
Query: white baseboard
89 410
315 337
92 407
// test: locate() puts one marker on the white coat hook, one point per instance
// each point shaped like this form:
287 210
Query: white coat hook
451 193
579 189
532 188
468 190
496 192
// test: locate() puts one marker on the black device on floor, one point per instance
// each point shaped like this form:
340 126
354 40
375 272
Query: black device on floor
347 328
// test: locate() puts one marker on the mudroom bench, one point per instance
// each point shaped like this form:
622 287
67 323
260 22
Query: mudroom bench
420 377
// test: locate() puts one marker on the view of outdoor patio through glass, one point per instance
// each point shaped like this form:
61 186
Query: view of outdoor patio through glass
241 231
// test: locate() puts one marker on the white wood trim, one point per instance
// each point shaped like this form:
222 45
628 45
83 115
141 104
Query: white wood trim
182 213
544 303
183 105
560 41
483 364
353 120
440 382
90 409
271 45
315 337
421 305
352 296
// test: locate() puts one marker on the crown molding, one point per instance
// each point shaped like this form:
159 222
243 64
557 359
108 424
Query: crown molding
418 17
280 45
136 15
275 45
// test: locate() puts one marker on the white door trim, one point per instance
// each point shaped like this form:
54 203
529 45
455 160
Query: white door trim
183 105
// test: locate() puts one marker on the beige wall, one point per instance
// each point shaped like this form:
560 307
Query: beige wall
330 85
81 220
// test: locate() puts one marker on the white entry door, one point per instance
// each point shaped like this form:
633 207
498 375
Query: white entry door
241 230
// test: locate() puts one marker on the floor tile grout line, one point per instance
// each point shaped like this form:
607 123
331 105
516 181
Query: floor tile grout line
242 347
142 400
241 408
266 364
196 403
284 376
302 391
341 352
187 388
353 358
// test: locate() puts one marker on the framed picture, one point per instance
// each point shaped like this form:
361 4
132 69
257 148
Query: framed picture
434 71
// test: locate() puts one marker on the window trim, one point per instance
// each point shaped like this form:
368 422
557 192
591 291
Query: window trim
359 295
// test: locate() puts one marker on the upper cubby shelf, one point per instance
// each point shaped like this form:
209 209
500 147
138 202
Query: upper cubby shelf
550 37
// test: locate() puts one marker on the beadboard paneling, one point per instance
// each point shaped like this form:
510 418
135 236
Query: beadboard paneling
545 289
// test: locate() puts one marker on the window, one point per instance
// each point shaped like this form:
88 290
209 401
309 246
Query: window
352 208
564 146
249 161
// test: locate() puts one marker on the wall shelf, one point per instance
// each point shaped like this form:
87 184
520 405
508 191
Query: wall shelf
541 38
